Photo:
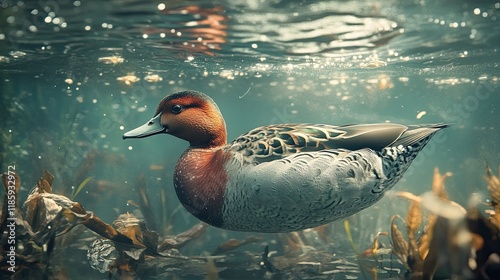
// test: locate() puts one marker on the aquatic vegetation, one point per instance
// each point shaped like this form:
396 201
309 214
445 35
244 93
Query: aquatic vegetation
450 241
494 188
234 243
347 228
81 186
439 239
47 216
316 61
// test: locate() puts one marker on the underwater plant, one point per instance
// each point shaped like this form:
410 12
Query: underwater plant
440 239
450 241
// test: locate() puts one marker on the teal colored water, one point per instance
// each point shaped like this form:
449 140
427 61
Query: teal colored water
76 75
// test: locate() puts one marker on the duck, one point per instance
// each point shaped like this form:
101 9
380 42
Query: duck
280 177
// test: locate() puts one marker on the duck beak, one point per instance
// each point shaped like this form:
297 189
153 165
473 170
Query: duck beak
152 127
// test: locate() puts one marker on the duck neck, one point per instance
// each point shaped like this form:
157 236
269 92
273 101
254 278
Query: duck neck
214 136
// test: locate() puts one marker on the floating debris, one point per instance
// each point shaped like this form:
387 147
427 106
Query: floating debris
128 79
111 60
156 167
17 54
381 82
421 114
373 64
69 81
153 78
404 79
4 59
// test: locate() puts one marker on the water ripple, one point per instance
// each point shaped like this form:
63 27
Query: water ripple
362 34
313 33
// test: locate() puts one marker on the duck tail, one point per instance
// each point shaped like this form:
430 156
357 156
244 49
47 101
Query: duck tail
416 136
398 156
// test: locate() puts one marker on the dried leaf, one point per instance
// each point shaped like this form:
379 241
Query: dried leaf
409 196
233 244
130 226
227 246
494 189
375 245
292 241
399 244
493 186
43 186
413 222
47 176
63 222
323 232
105 230
438 181
413 219
182 239
134 233
426 238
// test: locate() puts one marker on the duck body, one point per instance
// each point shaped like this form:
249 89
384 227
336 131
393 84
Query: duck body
280 178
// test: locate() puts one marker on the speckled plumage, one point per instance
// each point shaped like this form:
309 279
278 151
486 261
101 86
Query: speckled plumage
303 175
281 178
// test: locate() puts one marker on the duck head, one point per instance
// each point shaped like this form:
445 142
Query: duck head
189 115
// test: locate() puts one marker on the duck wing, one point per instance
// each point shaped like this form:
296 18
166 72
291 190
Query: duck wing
272 142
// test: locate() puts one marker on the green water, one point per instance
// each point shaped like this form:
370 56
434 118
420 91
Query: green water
342 62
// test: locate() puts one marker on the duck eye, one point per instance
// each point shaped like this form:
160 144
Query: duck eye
176 109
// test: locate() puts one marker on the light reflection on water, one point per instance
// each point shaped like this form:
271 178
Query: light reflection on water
76 74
